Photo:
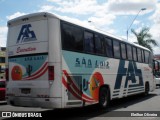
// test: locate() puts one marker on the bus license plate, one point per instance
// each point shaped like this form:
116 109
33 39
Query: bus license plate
25 90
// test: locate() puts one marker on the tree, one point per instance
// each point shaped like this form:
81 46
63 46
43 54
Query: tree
144 38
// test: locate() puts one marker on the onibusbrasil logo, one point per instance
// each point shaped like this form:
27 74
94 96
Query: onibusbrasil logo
26 34
20 114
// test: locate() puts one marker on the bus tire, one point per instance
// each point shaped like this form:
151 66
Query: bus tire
146 92
104 97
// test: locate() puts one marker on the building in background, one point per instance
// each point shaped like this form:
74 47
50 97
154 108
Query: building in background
2 62
157 57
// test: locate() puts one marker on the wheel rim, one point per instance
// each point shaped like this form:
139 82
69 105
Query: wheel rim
104 99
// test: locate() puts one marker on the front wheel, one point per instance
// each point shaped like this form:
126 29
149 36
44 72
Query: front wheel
104 97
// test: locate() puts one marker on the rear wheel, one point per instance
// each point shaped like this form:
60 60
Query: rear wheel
104 97
146 89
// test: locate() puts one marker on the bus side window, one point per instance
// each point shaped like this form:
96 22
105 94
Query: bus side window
99 45
108 47
116 48
143 56
134 54
72 37
146 53
139 53
123 51
89 42
129 52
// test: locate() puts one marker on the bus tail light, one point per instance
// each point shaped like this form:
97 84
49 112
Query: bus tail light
7 74
51 72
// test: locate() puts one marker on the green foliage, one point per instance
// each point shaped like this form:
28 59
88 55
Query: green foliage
144 38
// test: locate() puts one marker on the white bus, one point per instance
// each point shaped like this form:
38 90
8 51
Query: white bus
54 63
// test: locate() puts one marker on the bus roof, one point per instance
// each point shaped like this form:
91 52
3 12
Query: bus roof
47 14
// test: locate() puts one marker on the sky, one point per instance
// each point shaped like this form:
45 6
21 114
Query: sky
113 16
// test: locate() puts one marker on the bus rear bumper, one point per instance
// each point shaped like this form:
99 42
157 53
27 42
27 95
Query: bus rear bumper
35 102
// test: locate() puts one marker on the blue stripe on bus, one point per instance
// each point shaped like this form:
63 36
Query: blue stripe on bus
130 74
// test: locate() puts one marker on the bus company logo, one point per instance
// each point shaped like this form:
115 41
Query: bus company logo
132 74
26 34
29 49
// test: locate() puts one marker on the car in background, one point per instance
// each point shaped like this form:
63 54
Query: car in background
157 80
2 89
